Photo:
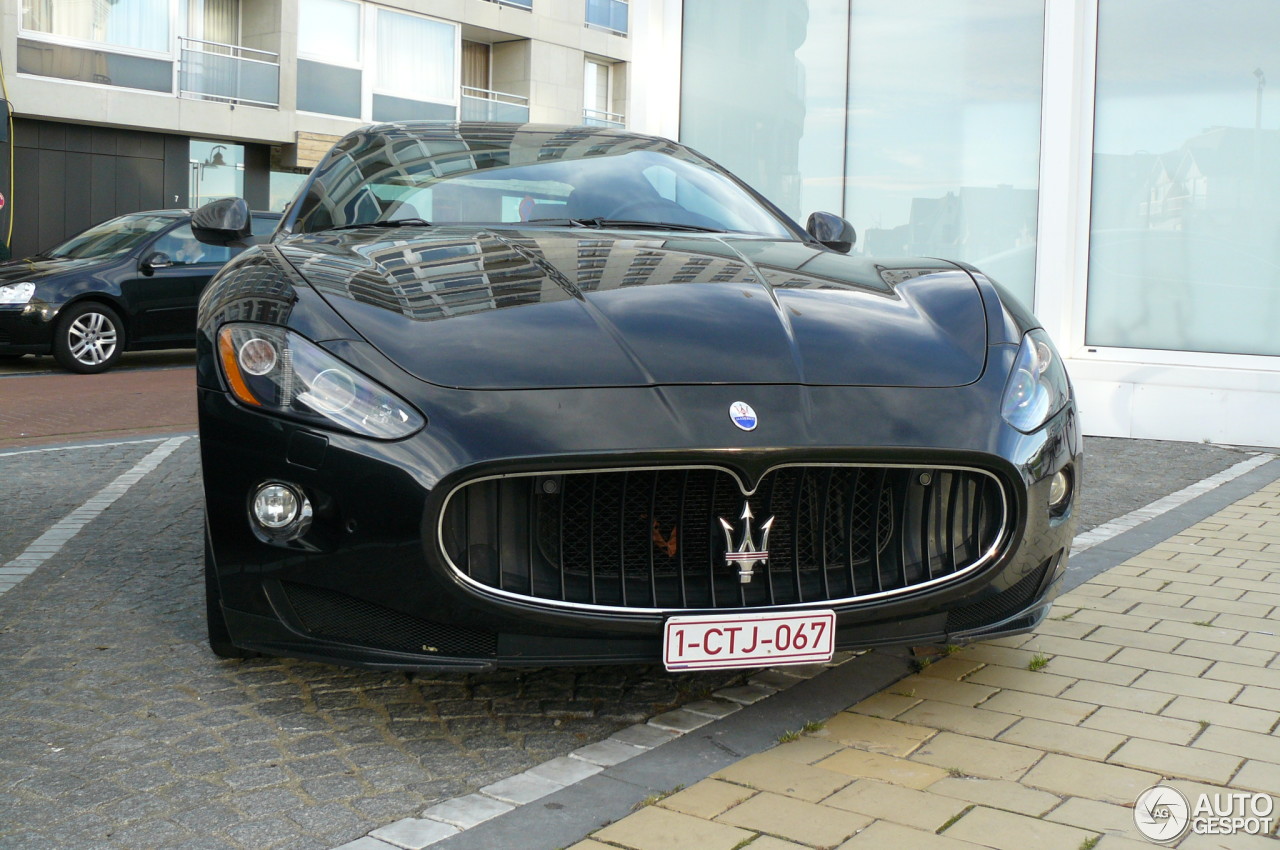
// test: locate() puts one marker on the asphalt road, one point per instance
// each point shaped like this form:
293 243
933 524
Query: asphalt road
121 730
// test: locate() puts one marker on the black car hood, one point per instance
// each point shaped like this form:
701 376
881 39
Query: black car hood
35 269
506 309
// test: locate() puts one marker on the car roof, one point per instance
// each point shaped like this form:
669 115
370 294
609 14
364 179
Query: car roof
492 129
179 213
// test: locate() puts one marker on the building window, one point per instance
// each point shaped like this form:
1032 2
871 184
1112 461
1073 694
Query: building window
597 95
361 61
216 171
137 24
416 68
608 14
485 91
216 21
1184 246
329 39
103 43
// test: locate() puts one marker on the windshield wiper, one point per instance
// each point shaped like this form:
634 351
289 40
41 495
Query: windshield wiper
386 222
623 223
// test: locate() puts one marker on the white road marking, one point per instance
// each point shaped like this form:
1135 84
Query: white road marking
51 542
84 446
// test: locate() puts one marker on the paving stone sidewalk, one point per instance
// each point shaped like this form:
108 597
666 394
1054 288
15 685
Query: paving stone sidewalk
1165 668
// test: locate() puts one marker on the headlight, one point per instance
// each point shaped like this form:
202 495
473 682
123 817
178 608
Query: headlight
1037 387
276 370
16 294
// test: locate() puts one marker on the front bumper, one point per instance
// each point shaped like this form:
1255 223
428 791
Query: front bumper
367 586
25 330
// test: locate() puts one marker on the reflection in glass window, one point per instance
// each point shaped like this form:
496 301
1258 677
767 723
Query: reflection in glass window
183 249
283 186
944 131
217 171
793 151
415 57
1185 240
142 24
328 48
384 178
329 30
110 238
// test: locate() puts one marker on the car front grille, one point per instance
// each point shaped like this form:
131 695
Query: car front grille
656 538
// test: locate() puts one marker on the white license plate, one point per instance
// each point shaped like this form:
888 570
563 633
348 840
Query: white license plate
748 640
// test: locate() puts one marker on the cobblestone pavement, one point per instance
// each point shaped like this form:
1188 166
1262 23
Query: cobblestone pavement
1161 671
119 729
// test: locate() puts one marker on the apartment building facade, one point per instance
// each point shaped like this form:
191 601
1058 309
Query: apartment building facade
139 104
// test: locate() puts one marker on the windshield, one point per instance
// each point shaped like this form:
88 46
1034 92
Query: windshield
117 236
562 179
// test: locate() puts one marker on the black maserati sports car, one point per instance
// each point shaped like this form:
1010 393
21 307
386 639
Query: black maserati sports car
128 283
524 395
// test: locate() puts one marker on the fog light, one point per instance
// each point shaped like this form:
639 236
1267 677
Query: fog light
1059 489
280 511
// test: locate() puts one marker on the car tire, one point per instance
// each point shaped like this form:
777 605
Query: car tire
219 635
89 338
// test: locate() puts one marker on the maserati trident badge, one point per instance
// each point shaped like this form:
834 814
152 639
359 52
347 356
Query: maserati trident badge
748 554
743 415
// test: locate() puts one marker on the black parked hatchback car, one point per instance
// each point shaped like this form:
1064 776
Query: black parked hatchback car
500 394
130 283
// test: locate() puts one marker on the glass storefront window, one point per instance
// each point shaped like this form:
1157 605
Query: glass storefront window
283 186
1185 226
918 121
944 132
771 110
217 171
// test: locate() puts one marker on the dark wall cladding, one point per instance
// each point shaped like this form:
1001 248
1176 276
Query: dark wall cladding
70 176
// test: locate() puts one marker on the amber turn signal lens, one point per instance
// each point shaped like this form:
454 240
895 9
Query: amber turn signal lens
231 368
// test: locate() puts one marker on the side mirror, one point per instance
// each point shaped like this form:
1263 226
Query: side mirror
222 222
155 260
831 230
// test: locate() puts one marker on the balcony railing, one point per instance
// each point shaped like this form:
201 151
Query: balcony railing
519 4
597 118
608 14
489 105
211 70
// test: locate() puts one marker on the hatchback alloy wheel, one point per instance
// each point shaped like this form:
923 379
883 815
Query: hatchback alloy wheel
90 339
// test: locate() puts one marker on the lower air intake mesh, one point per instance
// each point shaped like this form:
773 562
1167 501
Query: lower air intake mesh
1005 604
329 614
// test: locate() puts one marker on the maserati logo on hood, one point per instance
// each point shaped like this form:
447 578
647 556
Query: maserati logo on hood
743 415
747 555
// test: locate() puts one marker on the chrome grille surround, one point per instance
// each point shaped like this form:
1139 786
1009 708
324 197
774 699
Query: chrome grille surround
992 538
